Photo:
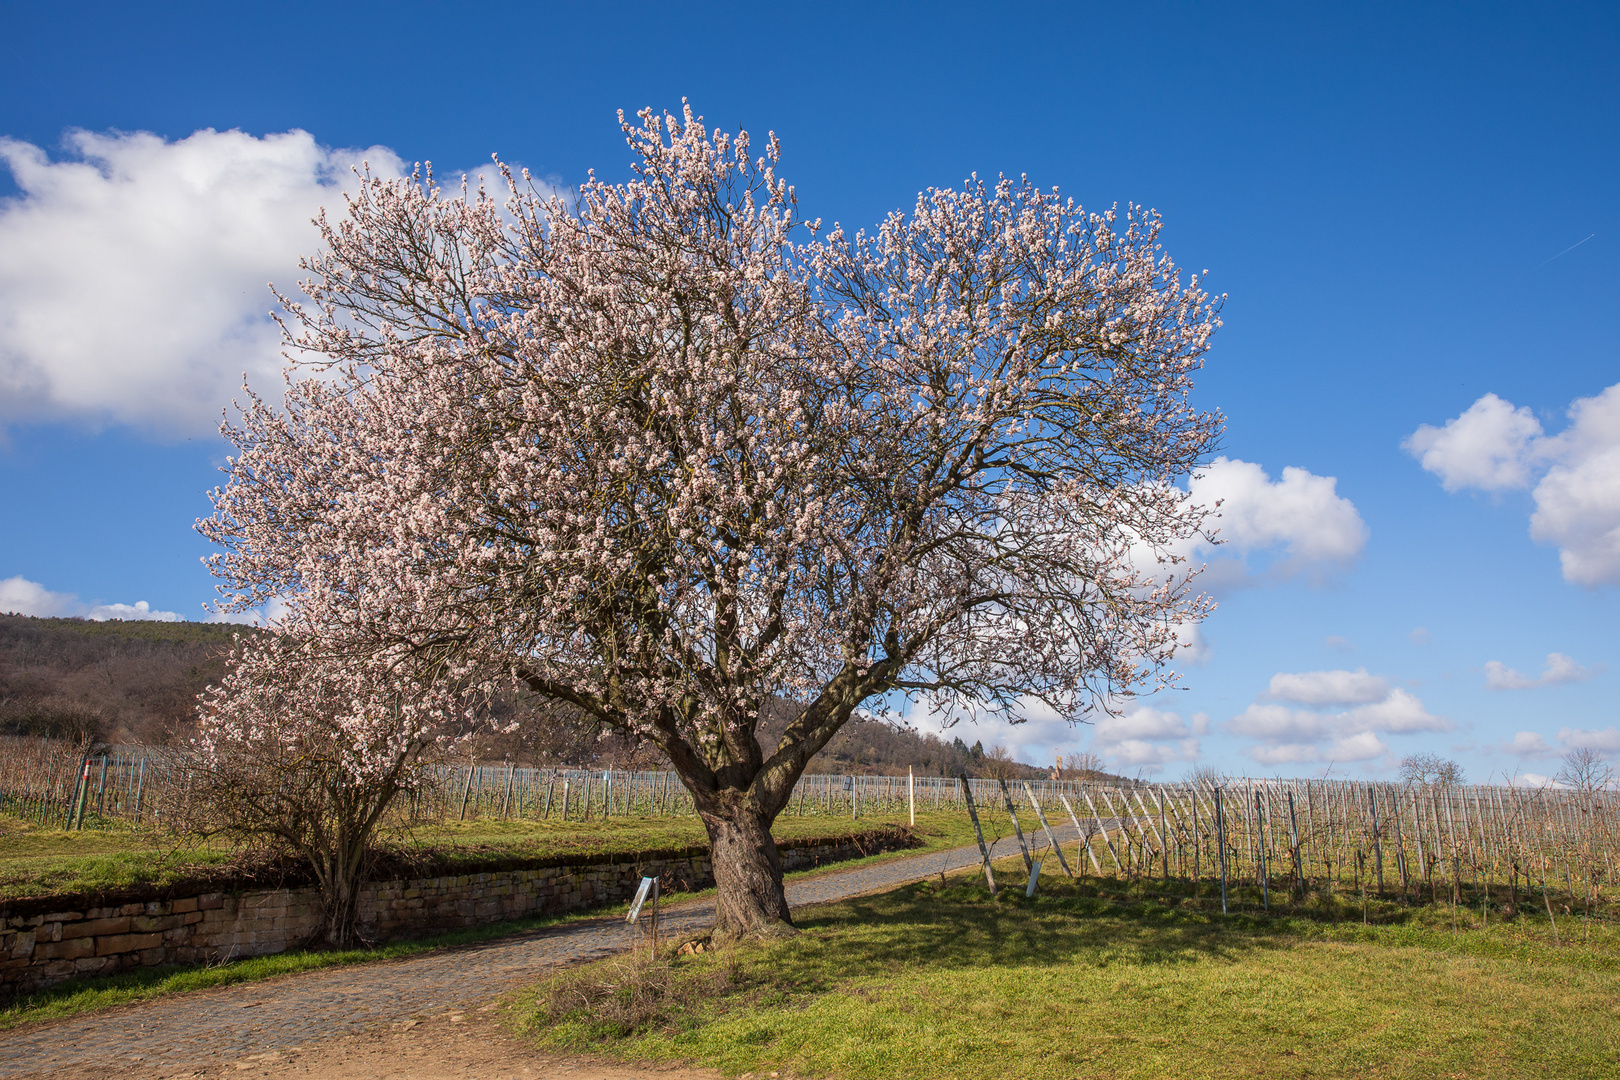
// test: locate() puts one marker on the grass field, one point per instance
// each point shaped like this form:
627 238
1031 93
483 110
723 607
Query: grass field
1107 980
50 862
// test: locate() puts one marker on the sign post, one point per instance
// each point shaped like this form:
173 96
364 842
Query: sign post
647 891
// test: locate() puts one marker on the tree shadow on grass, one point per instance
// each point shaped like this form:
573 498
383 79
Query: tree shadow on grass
959 927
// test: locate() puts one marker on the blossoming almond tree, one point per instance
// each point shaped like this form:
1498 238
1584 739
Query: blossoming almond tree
666 450
307 751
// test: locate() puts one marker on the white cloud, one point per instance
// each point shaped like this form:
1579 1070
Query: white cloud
1606 741
1144 738
1578 500
133 272
270 613
19 596
1531 780
1328 687
1527 744
1488 447
1301 515
1420 636
1560 669
1285 735
1339 644
1493 446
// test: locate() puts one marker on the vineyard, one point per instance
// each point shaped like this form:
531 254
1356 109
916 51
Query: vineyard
1284 837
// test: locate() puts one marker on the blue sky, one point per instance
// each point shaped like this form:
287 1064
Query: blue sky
1410 207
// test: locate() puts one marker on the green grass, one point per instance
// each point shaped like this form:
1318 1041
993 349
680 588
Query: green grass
37 862
1110 980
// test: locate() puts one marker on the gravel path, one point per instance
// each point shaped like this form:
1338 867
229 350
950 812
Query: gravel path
209 1027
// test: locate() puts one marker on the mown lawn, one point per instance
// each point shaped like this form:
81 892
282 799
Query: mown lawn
1085 981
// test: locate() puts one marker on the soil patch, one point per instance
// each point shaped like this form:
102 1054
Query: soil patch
470 1045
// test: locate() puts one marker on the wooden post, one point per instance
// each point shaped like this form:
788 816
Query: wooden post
1119 821
984 850
1195 842
1293 842
1260 835
1085 840
1400 848
1378 846
1220 844
911 795
140 786
83 793
1164 831
1041 814
465 792
1029 863
1109 844
81 776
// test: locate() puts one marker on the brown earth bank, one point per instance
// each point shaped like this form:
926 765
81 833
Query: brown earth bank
471 1045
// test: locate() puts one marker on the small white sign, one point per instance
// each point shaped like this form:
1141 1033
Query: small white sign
649 887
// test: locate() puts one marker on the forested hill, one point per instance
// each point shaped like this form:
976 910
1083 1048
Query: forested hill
114 681
137 682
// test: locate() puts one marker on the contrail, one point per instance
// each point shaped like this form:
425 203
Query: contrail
1561 254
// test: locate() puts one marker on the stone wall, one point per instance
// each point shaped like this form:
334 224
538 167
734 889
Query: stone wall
42 949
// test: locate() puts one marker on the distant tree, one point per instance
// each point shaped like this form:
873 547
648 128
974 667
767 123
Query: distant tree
998 764
1586 771
1079 765
1204 776
1426 768
664 453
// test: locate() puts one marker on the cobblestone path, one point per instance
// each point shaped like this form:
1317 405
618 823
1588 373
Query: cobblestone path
213 1026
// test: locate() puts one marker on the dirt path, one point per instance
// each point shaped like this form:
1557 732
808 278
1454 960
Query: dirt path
415 1017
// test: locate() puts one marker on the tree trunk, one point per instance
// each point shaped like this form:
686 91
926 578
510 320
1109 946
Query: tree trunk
340 897
747 874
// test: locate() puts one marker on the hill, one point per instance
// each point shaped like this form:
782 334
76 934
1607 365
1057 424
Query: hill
137 682
114 681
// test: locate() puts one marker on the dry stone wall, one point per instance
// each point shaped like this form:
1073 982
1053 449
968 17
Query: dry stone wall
43 949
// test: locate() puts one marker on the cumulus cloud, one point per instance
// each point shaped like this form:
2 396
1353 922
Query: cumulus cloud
1559 669
1527 744
1287 734
1532 744
133 270
1328 687
1605 741
1299 521
1488 447
1493 446
19 596
1146 738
